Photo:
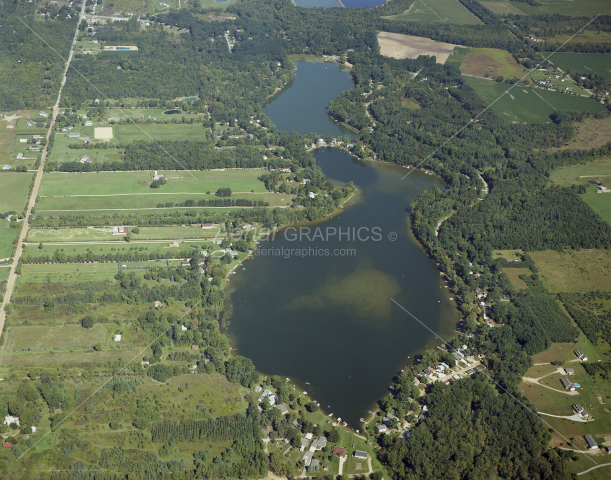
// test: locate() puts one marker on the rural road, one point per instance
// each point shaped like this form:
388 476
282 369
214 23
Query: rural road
574 418
10 284
594 468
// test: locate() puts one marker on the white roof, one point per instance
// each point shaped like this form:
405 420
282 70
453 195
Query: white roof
117 338
9 419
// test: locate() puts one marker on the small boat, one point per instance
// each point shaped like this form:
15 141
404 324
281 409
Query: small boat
307 383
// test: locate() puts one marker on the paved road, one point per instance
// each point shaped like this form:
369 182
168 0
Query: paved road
10 284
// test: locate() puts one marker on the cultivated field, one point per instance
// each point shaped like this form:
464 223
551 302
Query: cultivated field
503 7
14 191
436 11
491 62
575 8
584 63
399 46
578 174
86 272
574 271
179 131
600 203
526 104
7 236
457 56
120 114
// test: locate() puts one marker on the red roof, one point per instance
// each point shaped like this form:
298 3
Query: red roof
341 451
7 445
194 347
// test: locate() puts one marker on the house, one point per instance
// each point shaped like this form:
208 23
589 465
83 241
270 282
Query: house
584 414
9 419
360 454
566 383
608 449
183 328
318 443
6 167
382 428
592 445
89 123
174 244
185 264
117 338
157 304
296 424
304 444
579 354
577 408
23 140
569 371
314 465
282 409
428 372
339 451
194 347
157 176
272 399
29 123
207 226
85 159
479 368
266 392
308 436
119 230
7 445
74 135
258 388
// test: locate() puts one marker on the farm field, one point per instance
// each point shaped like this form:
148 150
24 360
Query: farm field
67 336
587 36
179 131
10 130
14 191
122 114
575 8
584 63
104 248
435 11
579 174
397 45
526 104
115 183
599 202
102 234
502 7
492 62
457 56
574 271
120 213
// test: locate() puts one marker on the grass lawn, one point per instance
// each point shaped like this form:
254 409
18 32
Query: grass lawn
514 276
437 11
67 336
491 61
113 183
564 352
600 203
508 254
62 153
574 271
599 171
7 236
14 191
528 105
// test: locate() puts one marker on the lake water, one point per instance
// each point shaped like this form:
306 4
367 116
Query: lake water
362 3
302 105
329 320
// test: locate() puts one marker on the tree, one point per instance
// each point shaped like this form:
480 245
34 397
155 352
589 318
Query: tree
27 430
40 246
88 321
97 347
136 230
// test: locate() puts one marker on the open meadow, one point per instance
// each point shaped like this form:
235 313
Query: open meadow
7 236
66 273
178 132
574 270
67 336
437 11
526 104
122 114
514 277
397 45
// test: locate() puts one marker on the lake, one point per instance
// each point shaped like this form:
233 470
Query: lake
328 321
302 105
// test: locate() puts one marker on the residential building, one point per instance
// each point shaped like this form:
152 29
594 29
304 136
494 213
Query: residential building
360 454
566 383
592 445
339 451
569 371
282 409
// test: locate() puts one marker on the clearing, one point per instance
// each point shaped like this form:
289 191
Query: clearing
491 62
14 191
397 45
574 271
68 336
103 133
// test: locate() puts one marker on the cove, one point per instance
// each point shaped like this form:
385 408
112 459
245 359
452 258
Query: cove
329 320
302 104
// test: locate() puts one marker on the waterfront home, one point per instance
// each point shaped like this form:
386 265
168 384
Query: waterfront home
382 428
282 409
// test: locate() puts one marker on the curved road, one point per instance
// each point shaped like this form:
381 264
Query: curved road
10 284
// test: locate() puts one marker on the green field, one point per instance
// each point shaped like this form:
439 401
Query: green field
135 245
436 11
62 153
14 191
9 145
114 183
122 114
575 8
514 276
457 56
528 105
87 272
104 234
73 336
584 63
574 271
491 62
7 236
179 131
